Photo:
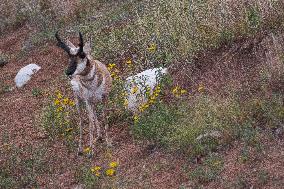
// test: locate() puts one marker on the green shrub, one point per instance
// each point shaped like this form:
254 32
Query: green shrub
58 119
155 124
208 171
85 177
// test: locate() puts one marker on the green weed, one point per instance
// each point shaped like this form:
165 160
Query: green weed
208 171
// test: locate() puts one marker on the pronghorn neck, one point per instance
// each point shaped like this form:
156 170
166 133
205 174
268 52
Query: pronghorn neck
87 69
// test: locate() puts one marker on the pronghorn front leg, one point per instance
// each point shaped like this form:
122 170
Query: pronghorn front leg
80 149
92 120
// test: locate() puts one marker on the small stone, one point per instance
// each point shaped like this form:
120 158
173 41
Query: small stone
279 132
79 186
214 134
3 62
25 73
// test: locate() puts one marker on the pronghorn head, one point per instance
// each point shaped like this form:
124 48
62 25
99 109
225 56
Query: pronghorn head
78 56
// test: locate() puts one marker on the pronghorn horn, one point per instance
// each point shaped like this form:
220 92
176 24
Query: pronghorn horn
61 44
81 44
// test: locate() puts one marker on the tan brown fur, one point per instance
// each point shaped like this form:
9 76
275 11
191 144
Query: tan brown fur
94 87
91 83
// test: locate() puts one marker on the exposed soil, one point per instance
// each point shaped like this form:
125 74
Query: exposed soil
228 68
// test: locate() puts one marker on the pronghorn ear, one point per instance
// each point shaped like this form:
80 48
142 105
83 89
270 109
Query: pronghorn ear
87 48
70 44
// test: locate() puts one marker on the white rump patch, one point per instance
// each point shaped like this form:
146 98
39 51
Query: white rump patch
149 78
25 73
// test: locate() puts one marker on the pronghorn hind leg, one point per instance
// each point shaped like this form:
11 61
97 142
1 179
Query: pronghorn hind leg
105 120
80 149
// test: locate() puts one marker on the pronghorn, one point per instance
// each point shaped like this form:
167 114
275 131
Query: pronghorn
91 83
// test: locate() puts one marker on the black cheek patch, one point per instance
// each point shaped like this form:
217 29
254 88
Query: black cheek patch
72 67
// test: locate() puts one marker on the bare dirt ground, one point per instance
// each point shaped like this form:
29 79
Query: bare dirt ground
140 165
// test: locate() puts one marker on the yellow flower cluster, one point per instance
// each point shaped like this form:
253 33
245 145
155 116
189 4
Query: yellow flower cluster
151 100
96 170
62 106
110 171
178 91
61 102
134 89
69 130
152 47
113 71
87 150
129 63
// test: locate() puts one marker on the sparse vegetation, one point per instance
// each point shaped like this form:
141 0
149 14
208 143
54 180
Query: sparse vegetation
208 171
58 120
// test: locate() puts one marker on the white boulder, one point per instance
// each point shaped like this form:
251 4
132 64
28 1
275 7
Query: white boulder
148 78
25 73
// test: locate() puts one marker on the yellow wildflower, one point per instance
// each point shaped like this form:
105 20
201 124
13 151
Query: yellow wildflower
141 109
111 66
153 97
136 118
125 102
59 109
152 47
113 74
146 105
129 62
175 90
113 164
71 103
123 93
134 89
59 95
65 101
69 129
57 102
200 88
95 169
98 174
110 172
148 90
217 163
183 91
151 101
87 150
157 91
116 77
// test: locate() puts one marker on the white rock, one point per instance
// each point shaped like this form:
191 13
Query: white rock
149 78
25 73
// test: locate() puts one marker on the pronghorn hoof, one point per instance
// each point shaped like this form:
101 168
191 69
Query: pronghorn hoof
109 144
80 153
99 139
89 155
